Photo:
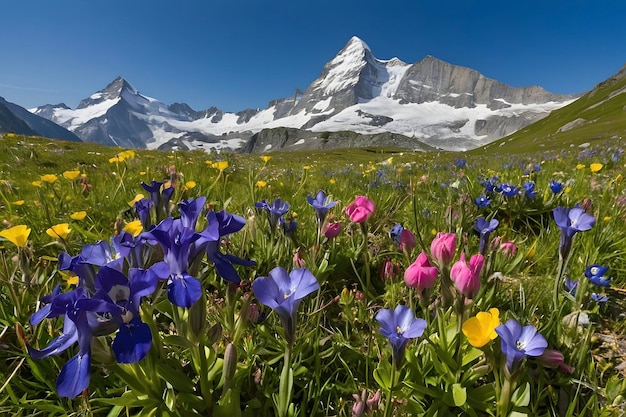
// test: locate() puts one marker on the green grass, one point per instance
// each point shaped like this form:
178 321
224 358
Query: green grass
338 350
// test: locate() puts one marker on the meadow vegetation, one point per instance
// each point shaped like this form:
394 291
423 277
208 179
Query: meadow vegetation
354 282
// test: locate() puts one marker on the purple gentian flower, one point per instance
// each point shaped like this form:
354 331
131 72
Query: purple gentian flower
190 211
518 342
220 225
460 162
399 326
508 190
555 186
134 338
485 228
183 290
76 306
596 274
274 211
143 209
482 201
571 221
282 292
160 197
529 189
599 298
321 203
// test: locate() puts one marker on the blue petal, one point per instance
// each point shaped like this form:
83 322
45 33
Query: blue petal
75 376
304 282
184 290
58 344
132 342
266 291
386 319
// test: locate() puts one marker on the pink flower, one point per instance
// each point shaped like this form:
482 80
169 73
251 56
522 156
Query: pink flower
442 248
361 209
552 358
389 270
467 278
332 229
421 274
508 248
407 240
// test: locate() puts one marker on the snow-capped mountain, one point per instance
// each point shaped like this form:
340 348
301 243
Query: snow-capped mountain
431 101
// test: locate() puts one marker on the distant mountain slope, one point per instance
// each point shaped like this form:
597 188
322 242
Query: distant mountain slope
16 119
430 102
598 115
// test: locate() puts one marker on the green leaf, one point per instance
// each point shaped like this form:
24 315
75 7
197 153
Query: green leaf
521 396
382 375
459 394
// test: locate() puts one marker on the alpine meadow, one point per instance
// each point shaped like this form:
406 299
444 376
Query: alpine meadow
371 281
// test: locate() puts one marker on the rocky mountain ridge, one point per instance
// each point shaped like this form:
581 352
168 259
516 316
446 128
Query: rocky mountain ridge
429 102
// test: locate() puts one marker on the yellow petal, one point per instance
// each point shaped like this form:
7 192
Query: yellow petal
79 215
221 165
266 158
59 231
71 175
261 184
134 227
18 235
190 184
595 167
134 200
49 178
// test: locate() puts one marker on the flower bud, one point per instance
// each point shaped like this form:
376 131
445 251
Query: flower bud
421 274
443 247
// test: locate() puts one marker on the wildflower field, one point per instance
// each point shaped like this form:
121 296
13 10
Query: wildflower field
361 282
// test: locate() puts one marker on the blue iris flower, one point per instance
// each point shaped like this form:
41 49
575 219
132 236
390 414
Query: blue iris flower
160 197
571 221
396 233
484 228
77 308
555 186
399 327
597 275
221 224
282 292
134 338
529 189
508 190
274 211
482 201
517 342
183 289
321 203
570 285
599 298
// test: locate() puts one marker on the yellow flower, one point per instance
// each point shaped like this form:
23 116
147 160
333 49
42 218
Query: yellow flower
595 167
261 184
79 215
580 166
208 162
70 278
18 202
129 154
332 181
618 178
221 165
266 158
142 172
480 329
190 184
71 175
49 178
115 159
307 167
134 200
59 231
134 227
567 189
36 183
607 218
18 235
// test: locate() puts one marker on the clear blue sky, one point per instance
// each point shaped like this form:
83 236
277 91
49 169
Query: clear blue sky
237 54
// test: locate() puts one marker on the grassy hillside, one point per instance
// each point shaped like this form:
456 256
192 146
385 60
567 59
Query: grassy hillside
598 116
